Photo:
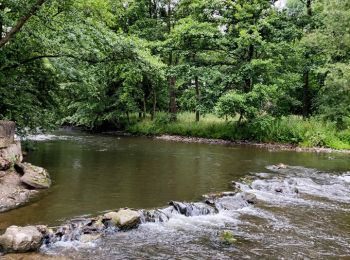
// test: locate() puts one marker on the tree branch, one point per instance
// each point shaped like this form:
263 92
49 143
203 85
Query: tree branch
83 59
21 22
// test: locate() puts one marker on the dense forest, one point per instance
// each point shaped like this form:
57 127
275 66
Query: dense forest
232 69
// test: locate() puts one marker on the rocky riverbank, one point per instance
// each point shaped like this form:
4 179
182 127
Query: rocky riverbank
268 146
18 181
86 230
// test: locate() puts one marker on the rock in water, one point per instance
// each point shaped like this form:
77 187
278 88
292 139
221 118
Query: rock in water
34 176
88 238
249 197
281 166
124 218
21 239
280 190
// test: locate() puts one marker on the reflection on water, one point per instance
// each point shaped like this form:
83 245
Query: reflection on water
93 173
301 212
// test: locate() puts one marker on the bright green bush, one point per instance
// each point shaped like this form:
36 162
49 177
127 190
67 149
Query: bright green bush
292 129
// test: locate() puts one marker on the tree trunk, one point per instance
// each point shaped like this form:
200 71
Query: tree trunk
21 22
128 117
198 97
306 84
240 119
248 81
171 78
306 95
309 7
144 106
2 7
172 96
154 105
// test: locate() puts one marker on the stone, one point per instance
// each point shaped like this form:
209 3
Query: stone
21 239
278 190
124 218
2 174
219 195
7 133
4 164
281 166
88 238
12 153
34 176
249 197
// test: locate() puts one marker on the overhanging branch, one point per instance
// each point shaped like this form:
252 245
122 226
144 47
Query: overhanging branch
21 22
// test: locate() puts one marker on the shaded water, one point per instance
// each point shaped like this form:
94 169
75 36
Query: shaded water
309 218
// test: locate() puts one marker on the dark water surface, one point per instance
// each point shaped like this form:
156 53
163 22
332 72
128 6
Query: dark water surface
95 173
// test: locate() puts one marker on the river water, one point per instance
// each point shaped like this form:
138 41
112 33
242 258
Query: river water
301 212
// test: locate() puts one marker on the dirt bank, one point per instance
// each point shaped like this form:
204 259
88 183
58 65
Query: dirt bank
268 146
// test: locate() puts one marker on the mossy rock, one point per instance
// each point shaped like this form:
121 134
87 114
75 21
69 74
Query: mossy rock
34 176
227 237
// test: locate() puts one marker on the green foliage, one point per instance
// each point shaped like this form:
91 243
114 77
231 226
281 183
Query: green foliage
334 98
99 63
289 130
227 237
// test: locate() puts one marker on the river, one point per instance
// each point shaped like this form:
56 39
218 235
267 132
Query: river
302 211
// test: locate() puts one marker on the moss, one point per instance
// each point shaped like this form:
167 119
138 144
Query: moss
227 237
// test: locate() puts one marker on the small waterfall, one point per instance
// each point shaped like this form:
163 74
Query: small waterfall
261 207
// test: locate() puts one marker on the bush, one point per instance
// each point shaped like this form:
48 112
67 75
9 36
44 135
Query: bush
292 129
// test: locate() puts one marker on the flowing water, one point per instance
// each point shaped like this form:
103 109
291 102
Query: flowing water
302 211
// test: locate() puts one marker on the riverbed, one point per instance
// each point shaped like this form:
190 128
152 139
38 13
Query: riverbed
302 211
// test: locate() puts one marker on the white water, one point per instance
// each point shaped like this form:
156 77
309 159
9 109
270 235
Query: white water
299 213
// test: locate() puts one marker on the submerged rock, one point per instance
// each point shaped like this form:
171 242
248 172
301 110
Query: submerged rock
88 238
124 218
193 209
34 176
279 190
21 239
219 195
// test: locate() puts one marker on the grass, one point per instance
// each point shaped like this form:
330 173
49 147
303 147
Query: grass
286 130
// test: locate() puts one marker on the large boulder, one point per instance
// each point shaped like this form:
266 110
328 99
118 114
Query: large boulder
7 133
124 218
12 153
34 176
21 239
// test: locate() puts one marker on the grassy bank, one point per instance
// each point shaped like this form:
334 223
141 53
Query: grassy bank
286 130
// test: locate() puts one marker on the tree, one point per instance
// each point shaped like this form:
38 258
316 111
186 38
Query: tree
19 24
